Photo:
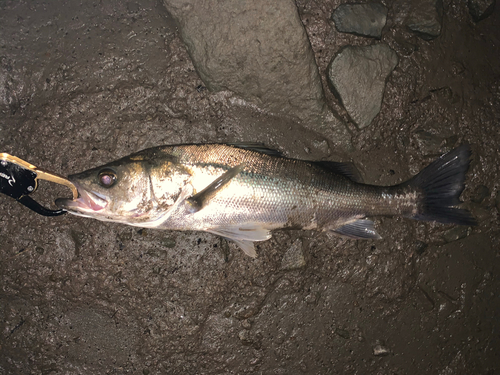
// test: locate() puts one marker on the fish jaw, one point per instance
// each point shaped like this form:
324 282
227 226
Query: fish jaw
87 204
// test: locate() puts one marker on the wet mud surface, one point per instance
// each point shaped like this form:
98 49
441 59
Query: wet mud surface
84 84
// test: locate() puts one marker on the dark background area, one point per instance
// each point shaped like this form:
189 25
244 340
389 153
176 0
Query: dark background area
82 84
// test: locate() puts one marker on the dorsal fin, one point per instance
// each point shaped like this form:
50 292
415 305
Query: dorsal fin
257 147
346 169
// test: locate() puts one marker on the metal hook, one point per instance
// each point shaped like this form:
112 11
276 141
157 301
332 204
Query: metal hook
19 178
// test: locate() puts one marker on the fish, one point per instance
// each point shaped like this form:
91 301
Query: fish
244 191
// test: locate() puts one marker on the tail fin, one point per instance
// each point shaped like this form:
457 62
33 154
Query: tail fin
440 185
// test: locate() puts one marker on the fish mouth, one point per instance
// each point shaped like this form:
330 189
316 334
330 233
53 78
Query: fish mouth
87 202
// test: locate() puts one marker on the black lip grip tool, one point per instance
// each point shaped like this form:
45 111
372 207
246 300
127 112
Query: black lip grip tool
18 179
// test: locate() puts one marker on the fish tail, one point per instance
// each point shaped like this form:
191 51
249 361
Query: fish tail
439 186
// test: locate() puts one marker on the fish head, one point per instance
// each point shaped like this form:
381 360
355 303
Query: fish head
133 190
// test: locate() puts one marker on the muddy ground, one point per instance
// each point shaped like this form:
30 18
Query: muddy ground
86 83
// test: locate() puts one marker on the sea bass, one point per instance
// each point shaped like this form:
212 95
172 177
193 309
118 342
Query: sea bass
244 191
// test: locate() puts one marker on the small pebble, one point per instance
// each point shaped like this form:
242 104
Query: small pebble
380 350
479 211
455 234
169 242
343 333
294 257
420 247
480 194
311 298
361 19
244 337
425 18
125 236
322 146
480 9
427 142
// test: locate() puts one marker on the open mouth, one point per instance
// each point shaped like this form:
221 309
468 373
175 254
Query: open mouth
86 202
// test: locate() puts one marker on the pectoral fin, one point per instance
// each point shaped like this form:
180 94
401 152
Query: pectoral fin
186 191
199 200
243 235
359 229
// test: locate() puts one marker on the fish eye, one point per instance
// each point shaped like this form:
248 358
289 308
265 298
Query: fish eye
107 178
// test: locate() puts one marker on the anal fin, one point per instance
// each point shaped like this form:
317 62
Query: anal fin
243 235
247 247
359 229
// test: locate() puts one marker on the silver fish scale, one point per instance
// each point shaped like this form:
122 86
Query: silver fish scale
271 192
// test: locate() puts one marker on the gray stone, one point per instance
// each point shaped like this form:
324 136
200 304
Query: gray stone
481 212
480 194
256 49
480 9
344 333
427 142
425 18
455 234
358 75
361 19
169 242
294 257
420 247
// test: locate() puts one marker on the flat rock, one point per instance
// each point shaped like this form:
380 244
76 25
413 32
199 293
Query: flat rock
480 9
256 49
425 18
480 194
294 257
456 233
358 75
361 19
427 142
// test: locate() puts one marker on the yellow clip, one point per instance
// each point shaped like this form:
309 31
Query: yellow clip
41 175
